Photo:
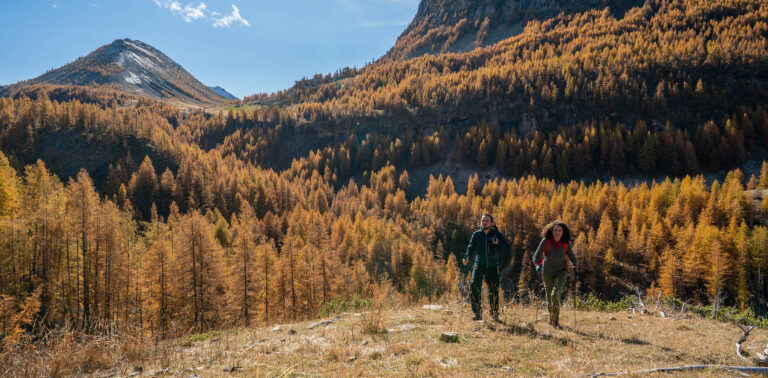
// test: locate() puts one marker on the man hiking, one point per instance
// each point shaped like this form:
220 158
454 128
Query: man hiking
491 254
552 267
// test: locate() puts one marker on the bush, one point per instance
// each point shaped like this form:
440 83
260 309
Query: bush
198 337
593 303
373 322
339 305
731 314
724 313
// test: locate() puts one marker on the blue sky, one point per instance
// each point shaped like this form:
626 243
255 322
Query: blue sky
245 46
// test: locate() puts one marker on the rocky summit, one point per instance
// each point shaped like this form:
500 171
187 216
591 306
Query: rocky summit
136 68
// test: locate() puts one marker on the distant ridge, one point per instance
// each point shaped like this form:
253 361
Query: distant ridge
223 93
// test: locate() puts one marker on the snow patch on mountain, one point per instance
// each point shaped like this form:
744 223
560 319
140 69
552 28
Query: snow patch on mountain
131 78
143 61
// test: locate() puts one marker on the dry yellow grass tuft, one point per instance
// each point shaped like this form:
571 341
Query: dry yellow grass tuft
405 342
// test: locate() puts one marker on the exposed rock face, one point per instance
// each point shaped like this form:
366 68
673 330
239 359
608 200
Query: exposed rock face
134 67
461 25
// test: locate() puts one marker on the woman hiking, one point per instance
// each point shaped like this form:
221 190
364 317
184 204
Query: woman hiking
552 266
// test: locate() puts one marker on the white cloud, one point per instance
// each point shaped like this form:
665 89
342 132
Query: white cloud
233 18
191 12
174 6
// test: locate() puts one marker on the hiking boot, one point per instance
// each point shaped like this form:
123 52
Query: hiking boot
496 318
557 325
477 317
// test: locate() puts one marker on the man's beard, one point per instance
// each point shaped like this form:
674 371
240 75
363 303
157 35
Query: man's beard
486 228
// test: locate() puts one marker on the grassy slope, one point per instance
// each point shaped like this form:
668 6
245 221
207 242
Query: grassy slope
590 342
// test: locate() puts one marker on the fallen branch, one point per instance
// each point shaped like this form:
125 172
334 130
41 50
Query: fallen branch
762 359
743 369
742 339
323 323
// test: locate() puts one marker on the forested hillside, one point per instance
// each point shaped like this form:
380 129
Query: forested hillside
664 74
250 245
123 211
442 26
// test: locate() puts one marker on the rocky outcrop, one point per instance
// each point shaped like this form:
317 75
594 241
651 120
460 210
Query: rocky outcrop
461 25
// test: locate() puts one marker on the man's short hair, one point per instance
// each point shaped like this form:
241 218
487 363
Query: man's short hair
487 215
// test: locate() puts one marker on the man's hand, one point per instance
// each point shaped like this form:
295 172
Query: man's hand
465 261
495 240
538 271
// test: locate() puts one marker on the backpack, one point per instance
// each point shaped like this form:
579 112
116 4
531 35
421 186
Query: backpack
546 249
503 254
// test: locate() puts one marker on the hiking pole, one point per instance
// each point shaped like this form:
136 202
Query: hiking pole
573 298
462 299
535 302
577 276
498 288
503 295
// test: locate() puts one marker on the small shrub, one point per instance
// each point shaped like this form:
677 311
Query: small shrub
373 322
134 349
339 305
399 349
334 355
593 303
724 313
91 357
197 337
412 364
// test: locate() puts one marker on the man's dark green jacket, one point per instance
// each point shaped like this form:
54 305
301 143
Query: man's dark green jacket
487 254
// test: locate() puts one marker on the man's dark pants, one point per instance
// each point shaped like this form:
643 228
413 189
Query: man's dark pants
491 276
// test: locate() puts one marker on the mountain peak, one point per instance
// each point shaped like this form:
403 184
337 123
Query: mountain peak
127 44
124 42
135 67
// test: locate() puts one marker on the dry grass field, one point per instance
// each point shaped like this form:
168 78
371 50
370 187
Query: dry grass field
405 341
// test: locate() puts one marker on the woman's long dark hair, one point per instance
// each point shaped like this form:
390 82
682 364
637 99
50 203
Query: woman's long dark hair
547 231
